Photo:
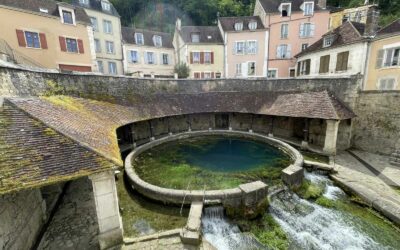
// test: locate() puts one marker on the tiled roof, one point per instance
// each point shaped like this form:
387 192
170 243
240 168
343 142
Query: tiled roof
94 123
32 154
128 36
96 5
272 6
228 23
50 5
391 28
208 34
347 33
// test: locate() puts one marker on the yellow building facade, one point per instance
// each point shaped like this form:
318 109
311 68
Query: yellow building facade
357 14
54 42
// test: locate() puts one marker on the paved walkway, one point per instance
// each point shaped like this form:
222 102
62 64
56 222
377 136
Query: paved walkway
367 183
74 226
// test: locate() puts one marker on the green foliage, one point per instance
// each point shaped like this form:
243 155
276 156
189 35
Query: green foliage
309 190
325 202
182 69
270 233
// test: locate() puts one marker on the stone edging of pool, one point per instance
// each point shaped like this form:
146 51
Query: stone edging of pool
230 196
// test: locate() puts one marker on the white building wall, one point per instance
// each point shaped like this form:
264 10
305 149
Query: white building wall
356 61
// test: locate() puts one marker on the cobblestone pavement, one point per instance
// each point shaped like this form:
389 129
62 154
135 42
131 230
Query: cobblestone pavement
74 226
359 179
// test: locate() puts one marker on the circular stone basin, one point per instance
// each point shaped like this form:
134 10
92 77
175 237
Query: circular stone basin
210 162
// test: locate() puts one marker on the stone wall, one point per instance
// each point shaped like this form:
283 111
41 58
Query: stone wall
17 82
22 215
377 126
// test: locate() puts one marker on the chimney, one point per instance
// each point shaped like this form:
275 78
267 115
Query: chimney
371 24
322 4
178 24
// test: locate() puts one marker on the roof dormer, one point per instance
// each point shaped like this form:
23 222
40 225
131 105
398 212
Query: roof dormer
238 26
285 9
157 41
328 40
308 8
67 14
252 25
105 5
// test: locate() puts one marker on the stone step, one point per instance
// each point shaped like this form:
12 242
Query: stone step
397 164
394 159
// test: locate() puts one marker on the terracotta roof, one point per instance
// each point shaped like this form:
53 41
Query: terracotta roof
347 33
394 27
96 5
50 5
228 23
128 36
272 6
208 34
32 154
94 123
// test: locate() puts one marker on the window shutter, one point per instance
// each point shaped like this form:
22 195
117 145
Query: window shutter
246 47
130 56
212 75
298 68
339 62
308 65
379 59
212 57
345 60
191 57
43 41
312 29
302 30
235 48
279 51
154 58
289 51
202 75
145 57
389 55
80 46
21 38
63 43
201 57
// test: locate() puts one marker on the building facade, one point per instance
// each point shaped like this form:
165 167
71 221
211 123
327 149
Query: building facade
384 59
107 36
293 26
246 46
340 16
48 34
201 48
148 53
342 51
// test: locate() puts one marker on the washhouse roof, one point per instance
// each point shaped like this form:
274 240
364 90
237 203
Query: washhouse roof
48 5
33 154
93 123
393 27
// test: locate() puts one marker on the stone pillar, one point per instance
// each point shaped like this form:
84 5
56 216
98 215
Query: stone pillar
151 131
106 199
332 127
304 143
251 124
188 121
271 127
133 135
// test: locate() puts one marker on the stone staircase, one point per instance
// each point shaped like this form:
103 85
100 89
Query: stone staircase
395 158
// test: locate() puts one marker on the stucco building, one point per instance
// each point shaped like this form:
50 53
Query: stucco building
148 53
384 59
46 34
200 47
245 45
358 14
342 51
107 44
293 26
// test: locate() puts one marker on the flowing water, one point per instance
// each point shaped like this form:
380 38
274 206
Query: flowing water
223 234
309 225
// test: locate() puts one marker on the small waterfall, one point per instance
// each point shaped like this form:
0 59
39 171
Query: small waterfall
223 234
311 226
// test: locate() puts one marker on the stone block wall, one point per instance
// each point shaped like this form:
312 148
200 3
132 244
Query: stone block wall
377 125
22 215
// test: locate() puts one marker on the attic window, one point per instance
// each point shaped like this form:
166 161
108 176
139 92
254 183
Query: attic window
85 2
308 8
328 41
253 25
195 37
139 38
209 37
157 40
238 26
105 6
67 15
286 9
43 10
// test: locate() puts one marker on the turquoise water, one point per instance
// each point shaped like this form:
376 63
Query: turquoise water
223 154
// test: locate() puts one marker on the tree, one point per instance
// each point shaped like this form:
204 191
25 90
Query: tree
182 69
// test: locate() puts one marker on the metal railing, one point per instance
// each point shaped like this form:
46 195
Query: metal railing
17 57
